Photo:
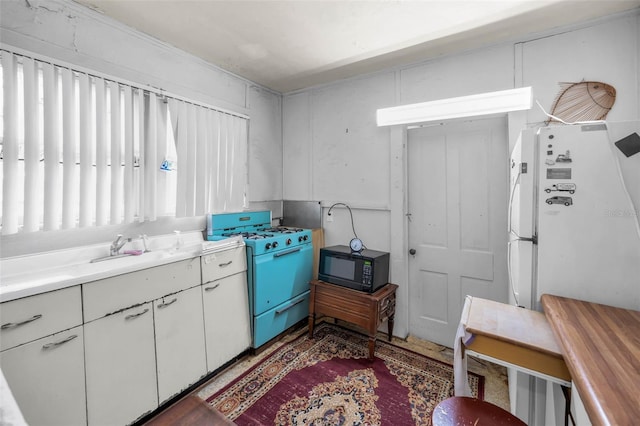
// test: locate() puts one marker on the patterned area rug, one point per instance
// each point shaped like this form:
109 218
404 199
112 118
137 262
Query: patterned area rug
328 380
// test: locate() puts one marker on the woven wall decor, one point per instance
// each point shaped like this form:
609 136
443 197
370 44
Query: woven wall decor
583 101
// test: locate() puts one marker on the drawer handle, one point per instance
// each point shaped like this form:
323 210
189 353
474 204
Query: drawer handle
61 342
212 288
222 265
10 325
165 304
286 308
133 316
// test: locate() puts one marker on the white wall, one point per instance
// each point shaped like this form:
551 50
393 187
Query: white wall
322 143
65 31
607 52
330 130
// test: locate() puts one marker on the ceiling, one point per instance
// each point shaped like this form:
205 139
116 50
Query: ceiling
294 44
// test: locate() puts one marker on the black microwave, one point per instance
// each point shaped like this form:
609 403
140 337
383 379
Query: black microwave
367 270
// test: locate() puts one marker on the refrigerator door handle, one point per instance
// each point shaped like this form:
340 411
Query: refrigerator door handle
533 239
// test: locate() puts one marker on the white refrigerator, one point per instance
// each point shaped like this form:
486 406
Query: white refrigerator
574 232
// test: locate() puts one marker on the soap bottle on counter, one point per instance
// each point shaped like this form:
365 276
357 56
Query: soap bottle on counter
177 245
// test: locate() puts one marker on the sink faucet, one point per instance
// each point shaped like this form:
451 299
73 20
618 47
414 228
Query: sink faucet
117 244
145 240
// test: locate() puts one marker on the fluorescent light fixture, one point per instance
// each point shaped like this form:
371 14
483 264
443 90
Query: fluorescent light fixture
463 106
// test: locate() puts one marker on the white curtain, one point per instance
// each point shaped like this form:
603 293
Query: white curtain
81 150
211 148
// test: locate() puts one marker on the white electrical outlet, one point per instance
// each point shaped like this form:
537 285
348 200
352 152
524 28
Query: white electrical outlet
329 218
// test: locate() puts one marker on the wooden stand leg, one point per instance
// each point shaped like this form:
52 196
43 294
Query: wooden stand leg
567 406
312 323
390 325
372 347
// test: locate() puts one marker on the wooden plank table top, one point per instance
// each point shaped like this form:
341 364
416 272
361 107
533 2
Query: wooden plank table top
601 346
520 337
511 324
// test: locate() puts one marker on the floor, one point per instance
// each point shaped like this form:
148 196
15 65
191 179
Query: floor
193 411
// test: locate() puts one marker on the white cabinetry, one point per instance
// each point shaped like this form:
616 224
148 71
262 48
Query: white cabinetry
226 317
42 356
46 378
107 352
226 306
121 366
120 341
30 318
100 298
179 341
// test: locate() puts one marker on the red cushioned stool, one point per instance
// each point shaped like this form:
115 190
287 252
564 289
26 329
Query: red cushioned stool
463 411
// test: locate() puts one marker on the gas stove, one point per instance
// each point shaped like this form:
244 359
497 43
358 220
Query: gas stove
256 230
279 268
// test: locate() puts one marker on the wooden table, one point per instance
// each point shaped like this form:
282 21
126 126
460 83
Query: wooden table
514 337
601 346
367 310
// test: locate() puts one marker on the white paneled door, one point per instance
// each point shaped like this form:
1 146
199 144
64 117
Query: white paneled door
458 189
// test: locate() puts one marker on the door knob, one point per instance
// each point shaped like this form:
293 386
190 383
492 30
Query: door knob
412 252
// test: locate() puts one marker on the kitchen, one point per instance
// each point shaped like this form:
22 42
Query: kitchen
322 142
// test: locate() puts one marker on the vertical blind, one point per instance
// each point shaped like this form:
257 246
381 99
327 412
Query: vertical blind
79 150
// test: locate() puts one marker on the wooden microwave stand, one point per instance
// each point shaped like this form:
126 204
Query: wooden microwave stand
366 310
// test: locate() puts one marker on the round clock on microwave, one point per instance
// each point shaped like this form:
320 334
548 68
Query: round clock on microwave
356 245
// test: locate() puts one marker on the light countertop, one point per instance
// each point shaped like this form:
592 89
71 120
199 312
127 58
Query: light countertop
30 275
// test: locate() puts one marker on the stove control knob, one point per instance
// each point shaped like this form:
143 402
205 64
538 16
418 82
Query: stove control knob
268 246
288 241
306 237
275 244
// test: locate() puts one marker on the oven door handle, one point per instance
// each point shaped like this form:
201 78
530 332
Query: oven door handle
286 308
284 253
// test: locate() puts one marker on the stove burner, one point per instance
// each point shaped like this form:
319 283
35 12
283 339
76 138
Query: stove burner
259 236
269 229
282 230
290 230
241 234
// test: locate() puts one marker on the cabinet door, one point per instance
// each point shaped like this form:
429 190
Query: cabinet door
226 319
46 378
179 341
121 367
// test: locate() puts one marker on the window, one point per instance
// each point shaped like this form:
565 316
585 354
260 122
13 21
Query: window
80 150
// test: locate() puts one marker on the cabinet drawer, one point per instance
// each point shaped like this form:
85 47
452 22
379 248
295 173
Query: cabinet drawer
123 291
223 264
30 318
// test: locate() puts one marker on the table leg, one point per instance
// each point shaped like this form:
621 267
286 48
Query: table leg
312 323
390 327
567 406
372 347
